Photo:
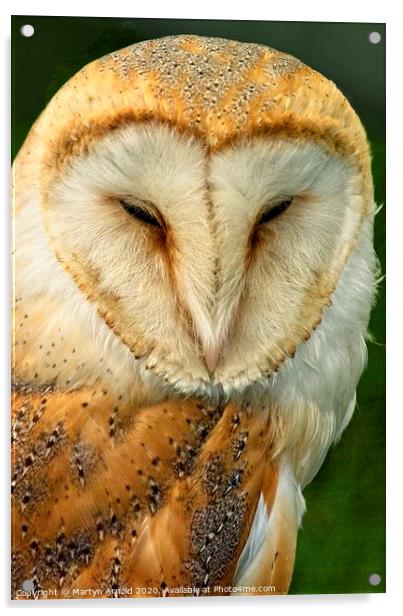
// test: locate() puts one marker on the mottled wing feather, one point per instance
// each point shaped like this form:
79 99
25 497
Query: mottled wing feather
107 496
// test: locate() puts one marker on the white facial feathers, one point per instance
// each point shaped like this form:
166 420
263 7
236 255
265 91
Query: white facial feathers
198 296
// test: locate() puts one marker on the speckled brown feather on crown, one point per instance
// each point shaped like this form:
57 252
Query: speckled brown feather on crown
213 87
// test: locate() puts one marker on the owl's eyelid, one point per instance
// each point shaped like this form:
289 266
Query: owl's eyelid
275 208
142 211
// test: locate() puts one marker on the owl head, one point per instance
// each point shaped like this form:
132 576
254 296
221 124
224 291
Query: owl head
204 197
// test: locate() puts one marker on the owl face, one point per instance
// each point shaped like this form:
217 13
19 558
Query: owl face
208 265
204 197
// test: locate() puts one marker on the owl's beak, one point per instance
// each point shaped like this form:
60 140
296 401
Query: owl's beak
211 356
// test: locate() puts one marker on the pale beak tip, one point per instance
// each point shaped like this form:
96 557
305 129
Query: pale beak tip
211 358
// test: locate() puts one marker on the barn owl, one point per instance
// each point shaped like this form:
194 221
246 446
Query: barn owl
194 272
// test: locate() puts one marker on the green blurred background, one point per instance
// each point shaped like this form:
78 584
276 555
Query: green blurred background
342 539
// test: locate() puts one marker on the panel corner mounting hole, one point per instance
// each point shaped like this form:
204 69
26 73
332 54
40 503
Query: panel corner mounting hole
27 30
374 38
28 585
374 579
